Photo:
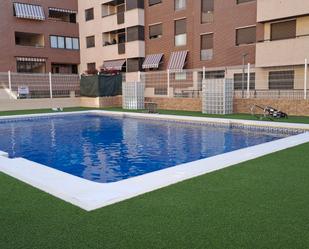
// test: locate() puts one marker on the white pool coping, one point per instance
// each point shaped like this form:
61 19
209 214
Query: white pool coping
90 195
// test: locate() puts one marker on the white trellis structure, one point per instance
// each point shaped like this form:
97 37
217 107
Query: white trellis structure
133 95
218 96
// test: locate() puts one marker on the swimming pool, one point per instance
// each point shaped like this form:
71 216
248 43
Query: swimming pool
96 158
107 149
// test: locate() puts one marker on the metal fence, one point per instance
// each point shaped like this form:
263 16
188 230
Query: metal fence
249 82
21 85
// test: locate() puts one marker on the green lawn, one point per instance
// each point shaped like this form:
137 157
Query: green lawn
261 203
258 204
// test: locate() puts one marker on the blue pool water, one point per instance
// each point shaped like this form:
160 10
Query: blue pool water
109 148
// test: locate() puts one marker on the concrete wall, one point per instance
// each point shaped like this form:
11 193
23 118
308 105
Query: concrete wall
31 104
277 9
284 52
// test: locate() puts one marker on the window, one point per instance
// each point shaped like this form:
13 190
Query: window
215 74
155 31
207 11
134 4
64 68
246 35
64 42
31 67
61 42
238 79
91 66
160 91
134 64
244 1
68 43
180 4
90 41
180 76
283 30
89 14
153 2
207 47
75 43
181 32
53 42
135 33
281 80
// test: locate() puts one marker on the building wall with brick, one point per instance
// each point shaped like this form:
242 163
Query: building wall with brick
228 16
9 24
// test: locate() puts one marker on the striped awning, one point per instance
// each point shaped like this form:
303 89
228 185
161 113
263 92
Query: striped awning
63 10
31 59
177 60
152 61
113 65
29 11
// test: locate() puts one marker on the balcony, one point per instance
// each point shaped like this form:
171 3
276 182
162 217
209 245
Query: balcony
268 10
132 50
282 52
132 17
29 39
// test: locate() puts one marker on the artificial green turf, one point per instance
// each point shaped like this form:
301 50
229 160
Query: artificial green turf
292 119
262 203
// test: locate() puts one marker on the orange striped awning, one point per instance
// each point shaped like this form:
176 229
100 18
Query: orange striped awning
177 60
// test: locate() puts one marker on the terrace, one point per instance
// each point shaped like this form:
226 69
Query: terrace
259 197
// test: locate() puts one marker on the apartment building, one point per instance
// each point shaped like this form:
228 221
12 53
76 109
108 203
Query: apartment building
222 36
39 36
112 34
281 53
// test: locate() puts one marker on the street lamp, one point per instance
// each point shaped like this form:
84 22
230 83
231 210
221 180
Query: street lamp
244 55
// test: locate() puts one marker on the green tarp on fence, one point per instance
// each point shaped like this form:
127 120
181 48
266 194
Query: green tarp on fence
101 85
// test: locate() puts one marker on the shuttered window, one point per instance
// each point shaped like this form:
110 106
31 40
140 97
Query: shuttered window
155 31
207 9
180 32
90 41
207 41
134 4
180 26
281 80
153 2
207 46
283 30
244 1
238 79
135 33
246 35
89 14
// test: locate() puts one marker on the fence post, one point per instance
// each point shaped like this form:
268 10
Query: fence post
50 85
305 79
248 82
10 83
204 73
139 76
168 83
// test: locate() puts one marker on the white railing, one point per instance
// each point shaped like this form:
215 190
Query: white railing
24 85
